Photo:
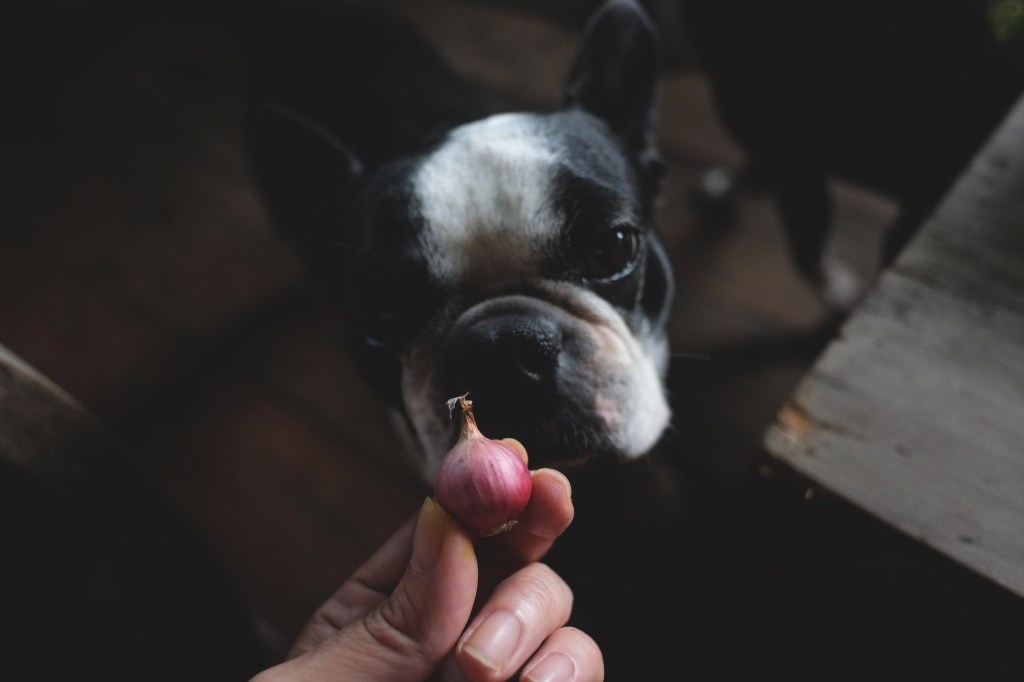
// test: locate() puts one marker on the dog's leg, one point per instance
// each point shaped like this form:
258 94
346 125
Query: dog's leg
806 210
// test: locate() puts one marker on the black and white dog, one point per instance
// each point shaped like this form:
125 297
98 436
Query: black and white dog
510 256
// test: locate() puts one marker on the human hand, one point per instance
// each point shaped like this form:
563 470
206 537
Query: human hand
402 617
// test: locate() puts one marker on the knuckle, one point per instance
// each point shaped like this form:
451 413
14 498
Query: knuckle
396 625
541 587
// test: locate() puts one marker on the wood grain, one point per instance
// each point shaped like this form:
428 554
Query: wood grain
43 430
916 412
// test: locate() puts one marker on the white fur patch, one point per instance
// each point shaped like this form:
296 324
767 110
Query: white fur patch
629 396
485 199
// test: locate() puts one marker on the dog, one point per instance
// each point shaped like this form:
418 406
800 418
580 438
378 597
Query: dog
510 256
894 96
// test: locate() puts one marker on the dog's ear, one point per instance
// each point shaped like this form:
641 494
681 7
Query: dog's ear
301 170
617 74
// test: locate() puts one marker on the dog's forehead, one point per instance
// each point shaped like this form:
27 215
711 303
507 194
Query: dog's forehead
486 198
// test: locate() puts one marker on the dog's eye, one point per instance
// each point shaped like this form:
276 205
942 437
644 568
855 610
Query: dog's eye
612 253
383 330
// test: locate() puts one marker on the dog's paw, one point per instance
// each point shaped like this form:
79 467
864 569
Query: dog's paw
840 287
714 195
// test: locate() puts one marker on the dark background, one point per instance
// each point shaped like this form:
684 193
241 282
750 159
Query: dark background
251 471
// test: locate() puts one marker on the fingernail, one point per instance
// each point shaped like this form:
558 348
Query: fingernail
518 447
494 640
554 667
430 530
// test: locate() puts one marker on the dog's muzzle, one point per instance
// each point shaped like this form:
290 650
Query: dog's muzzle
507 355
524 362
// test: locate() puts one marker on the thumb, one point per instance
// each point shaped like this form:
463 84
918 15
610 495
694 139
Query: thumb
410 632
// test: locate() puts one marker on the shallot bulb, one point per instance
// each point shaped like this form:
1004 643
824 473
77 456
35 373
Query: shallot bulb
482 482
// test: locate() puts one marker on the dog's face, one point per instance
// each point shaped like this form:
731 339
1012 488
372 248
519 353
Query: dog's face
515 261
513 258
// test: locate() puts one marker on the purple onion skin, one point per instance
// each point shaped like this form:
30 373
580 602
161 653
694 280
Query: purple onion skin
484 483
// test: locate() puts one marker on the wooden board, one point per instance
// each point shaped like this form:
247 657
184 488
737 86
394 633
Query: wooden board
43 430
916 412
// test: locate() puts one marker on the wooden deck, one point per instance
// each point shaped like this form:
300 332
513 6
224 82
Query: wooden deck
916 412
139 272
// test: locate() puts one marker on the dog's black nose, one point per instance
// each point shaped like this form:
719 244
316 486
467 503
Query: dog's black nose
512 352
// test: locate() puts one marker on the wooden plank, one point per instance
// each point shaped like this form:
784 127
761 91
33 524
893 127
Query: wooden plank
274 447
43 430
87 536
516 55
131 231
290 510
916 412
